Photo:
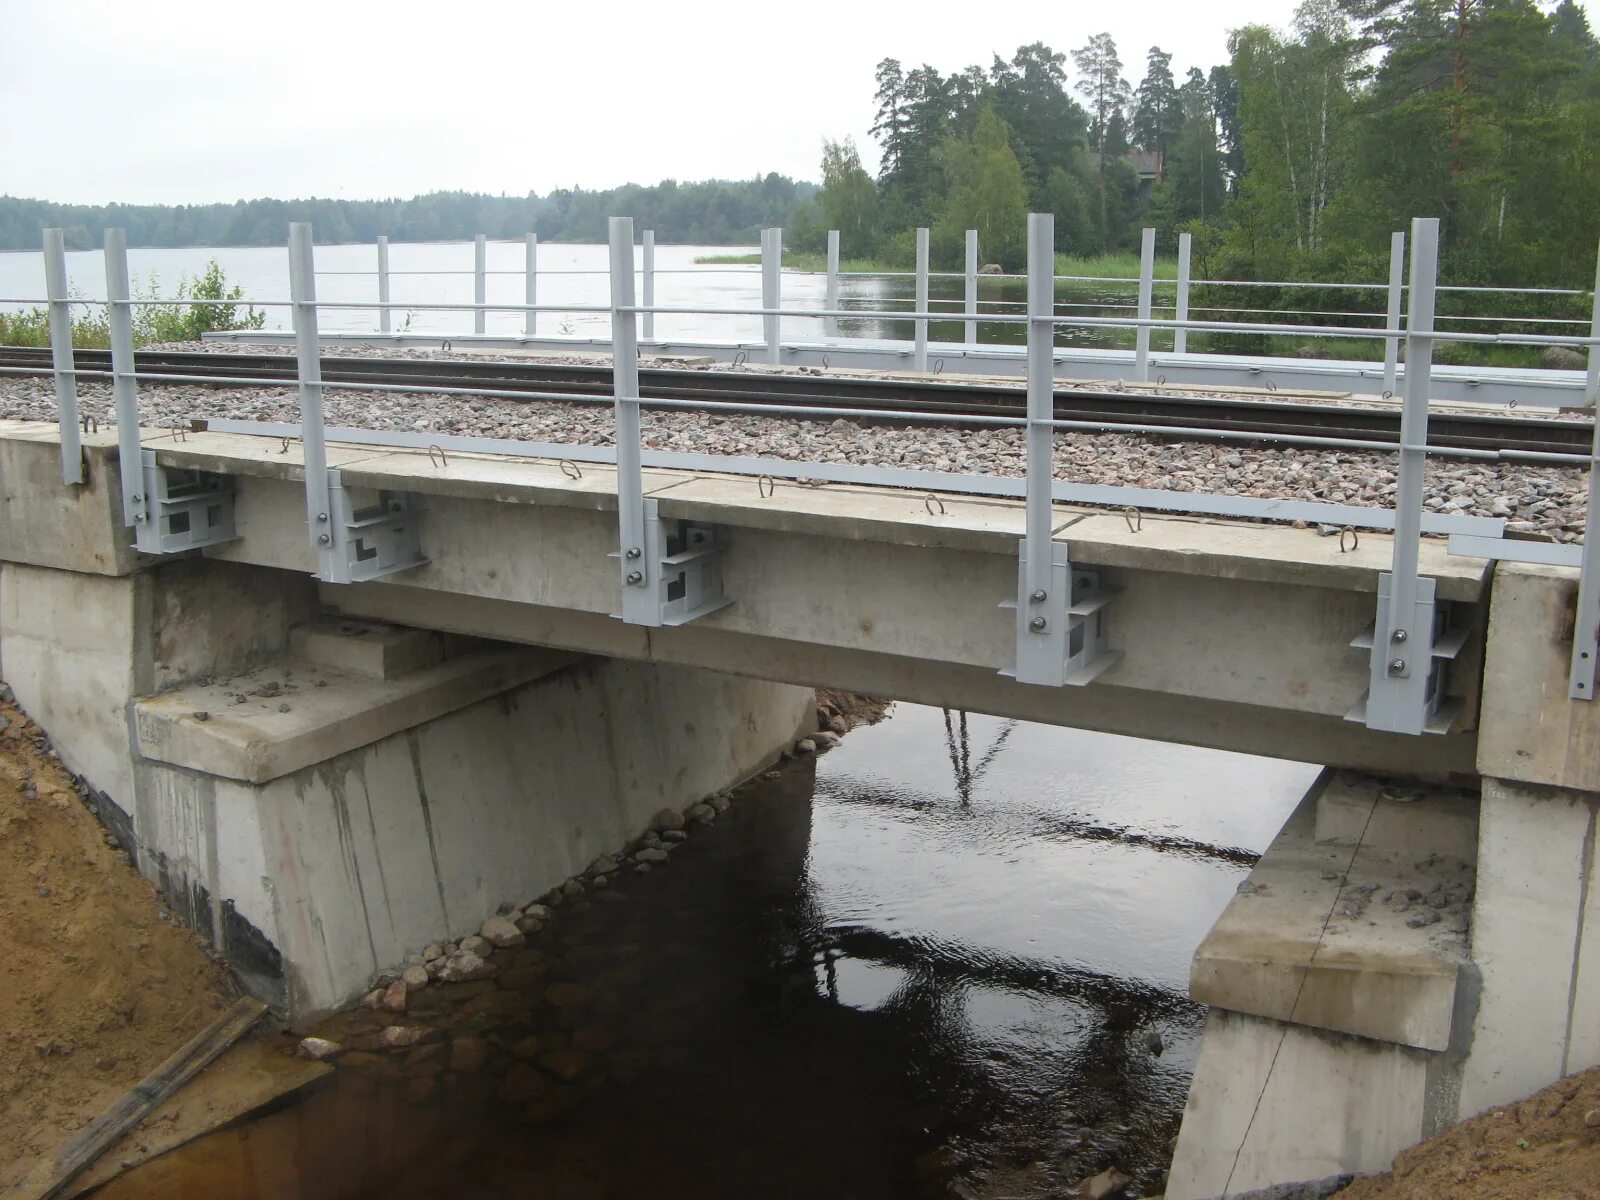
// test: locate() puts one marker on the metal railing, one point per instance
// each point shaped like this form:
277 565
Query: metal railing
972 311
669 572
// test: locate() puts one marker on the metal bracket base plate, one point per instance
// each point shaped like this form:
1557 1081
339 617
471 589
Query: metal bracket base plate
368 541
182 509
1061 634
679 572
1405 693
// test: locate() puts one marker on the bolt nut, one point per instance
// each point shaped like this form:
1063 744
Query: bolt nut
1400 635
1038 624
137 498
633 552
635 576
1038 596
1396 665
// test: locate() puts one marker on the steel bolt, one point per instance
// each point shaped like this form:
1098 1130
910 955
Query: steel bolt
137 498
1038 624
635 576
634 552
1400 635
322 516
323 539
1396 665
1038 596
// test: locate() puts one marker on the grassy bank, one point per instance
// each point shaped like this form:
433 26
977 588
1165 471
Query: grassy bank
1099 266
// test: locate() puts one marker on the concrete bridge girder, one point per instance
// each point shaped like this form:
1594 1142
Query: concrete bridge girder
1232 635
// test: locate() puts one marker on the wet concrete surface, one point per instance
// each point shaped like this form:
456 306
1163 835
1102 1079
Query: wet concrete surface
948 958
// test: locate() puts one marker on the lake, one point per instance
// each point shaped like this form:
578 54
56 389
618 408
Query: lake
441 272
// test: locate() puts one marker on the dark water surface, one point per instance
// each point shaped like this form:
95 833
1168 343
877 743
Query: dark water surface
931 966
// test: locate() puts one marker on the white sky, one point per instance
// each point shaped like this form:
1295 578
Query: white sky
178 101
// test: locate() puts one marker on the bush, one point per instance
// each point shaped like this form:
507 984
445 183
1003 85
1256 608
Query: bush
207 304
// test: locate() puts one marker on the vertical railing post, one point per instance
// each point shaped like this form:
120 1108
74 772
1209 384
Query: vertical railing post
1180 335
1586 623
1041 396
830 325
1402 635
638 566
530 284
1147 271
919 358
480 283
1043 583
647 251
772 292
308 362
383 284
971 331
58 297
1397 275
124 387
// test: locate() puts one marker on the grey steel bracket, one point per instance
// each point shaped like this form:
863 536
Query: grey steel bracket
1405 693
676 576
360 541
180 509
1061 627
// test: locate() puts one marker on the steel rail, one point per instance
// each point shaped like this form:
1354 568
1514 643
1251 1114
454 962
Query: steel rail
1139 411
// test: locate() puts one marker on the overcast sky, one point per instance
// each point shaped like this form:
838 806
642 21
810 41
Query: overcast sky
187 102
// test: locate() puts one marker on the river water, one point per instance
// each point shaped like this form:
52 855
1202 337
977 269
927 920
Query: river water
948 958
441 272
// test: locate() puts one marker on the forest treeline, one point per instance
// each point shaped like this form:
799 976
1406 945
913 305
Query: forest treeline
718 212
1295 159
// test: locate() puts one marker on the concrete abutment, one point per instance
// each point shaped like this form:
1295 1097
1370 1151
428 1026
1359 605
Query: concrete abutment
321 806
1338 1033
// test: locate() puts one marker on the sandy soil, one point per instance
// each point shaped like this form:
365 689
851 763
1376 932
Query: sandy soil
1546 1147
96 988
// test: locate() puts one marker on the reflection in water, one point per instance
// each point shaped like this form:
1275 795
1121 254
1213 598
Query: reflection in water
938 962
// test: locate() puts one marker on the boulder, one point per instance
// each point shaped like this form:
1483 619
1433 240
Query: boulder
317 1049
501 933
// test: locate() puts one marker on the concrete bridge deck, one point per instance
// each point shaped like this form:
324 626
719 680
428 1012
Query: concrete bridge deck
1231 634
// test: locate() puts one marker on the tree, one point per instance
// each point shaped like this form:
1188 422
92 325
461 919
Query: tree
986 191
1294 104
1461 85
1156 115
1108 93
849 199
1193 186
1029 94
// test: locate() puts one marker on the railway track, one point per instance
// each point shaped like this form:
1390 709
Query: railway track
1238 419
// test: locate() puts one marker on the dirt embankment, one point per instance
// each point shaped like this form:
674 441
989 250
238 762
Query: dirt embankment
1546 1147
97 986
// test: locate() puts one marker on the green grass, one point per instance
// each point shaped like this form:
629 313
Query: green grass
1105 266
1112 266
794 260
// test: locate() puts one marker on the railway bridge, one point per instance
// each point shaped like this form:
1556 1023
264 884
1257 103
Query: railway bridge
344 691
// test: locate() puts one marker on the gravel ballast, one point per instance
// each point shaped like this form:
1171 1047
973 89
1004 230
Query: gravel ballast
1550 501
